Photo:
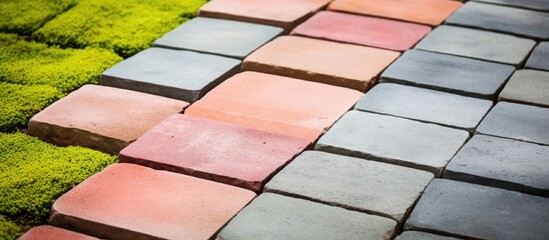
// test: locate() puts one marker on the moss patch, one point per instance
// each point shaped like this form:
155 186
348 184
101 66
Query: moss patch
25 17
9 230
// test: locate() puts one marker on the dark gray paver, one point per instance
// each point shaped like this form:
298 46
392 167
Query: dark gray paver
170 73
216 36
425 105
272 216
415 235
529 4
517 121
479 44
449 73
394 140
527 86
503 163
357 184
522 22
539 59
477 211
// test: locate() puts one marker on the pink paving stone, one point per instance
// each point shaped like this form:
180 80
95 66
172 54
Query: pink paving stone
213 150
53 233
102 118
368 31
128 201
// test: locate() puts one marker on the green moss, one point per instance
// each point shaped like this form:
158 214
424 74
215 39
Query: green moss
9 230
35 173
25 17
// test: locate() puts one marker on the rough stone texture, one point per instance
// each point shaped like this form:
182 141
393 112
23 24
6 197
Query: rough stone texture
477 44
321 61
528 4
502 163
221 37
539 59
216 151
357 184
526 23
128 201
272 217
414 235
368 31
448 73
527 86
53 233
517 121
425 105
170 73
466 210
393 140
276 104
430 12
102 118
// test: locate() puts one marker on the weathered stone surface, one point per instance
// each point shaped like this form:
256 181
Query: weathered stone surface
393 140
517 121
477 44
448 73
357 184
529 4
272 216
170 73
53 233
464 209
425 105
339 64
414 235
539 59
128 201
527 86
102 118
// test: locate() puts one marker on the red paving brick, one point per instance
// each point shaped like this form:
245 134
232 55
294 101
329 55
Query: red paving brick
368 31
213 150
339 64
128 201
53 233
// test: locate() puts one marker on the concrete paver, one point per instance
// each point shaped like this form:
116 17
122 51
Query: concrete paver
527 86
539 59
415 235
528 4
53 233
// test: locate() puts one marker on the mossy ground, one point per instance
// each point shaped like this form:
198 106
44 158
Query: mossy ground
9 230
26 16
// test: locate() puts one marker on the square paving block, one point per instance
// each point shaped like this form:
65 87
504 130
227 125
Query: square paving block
183 75
276 104
221 37
527 86
367 31
339 64
415 235
528 4
393 140
474 211
53 233
448 73
479 44
128 201
102 118
540 57
272 217
212 150
425 105
376 188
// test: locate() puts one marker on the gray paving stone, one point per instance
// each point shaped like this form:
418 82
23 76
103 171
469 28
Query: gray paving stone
476 211
357 184
448 73
502 163
272 216
170 73
414 235
221 37
529 4
527 86
479 44
425 105
539 59
517 121
522 22
394 140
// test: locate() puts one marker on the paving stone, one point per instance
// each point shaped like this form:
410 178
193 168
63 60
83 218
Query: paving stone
102 118
540 57
357 184
339 64
502 163
170 73
221 37
527 86
480 212
367 31
414 235
448 73
430 12
425 105
529 4
53 233
272 216
527 23
394 140
128 201
276 104
517 121
479 44
216 151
